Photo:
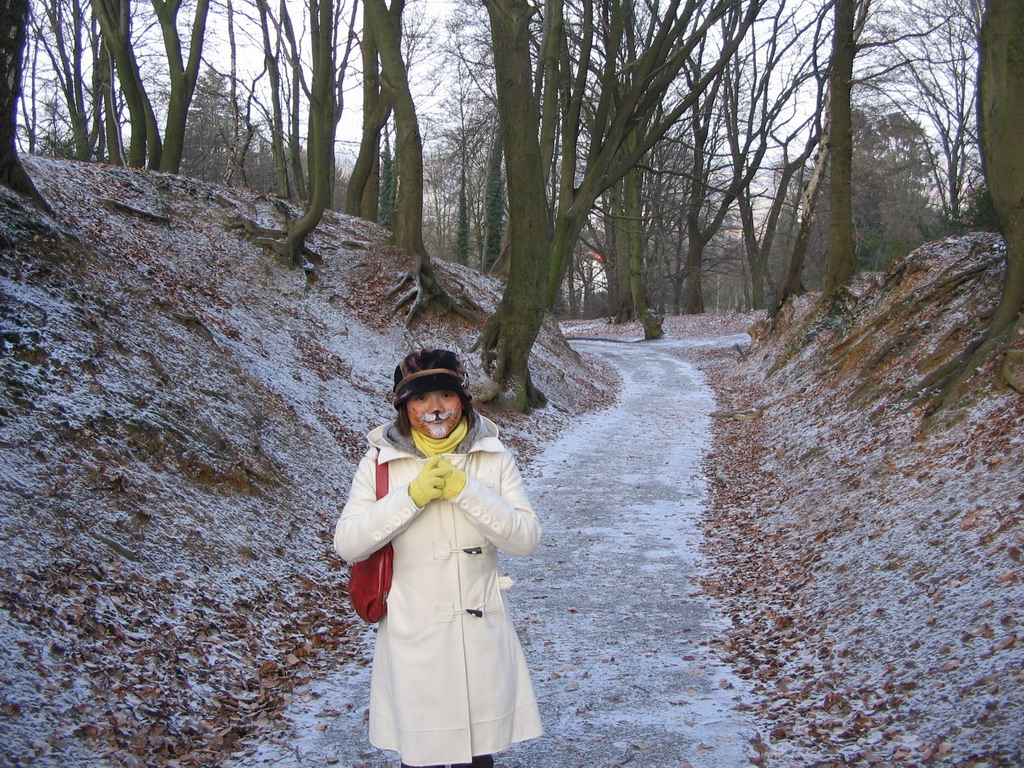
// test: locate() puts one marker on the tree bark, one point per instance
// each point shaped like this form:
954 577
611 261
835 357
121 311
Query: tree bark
792 284
145 147
13 23
387 32
235 159
1000 111
407 224
277 130
494 210
759 251
694 258
183 75
509 335
840 255
298 176
104 80
323 120
650 321
616 259
361 196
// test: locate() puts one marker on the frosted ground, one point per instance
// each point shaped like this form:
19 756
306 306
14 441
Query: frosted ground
613 625
166 568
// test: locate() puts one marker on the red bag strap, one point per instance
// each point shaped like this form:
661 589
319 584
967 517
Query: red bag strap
382 478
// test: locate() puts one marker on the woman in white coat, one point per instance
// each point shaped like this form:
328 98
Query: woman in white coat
450 685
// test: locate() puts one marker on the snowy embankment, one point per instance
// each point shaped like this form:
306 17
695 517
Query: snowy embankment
870 558
179 419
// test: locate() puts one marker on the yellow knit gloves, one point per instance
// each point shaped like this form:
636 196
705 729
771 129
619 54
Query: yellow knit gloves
438 479
454 482
429 483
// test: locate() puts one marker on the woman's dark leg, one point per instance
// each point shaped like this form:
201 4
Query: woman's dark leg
479 761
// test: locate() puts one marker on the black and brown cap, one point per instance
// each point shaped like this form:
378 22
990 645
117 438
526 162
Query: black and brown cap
428 370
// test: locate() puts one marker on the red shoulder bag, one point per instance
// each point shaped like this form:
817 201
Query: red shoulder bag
370 579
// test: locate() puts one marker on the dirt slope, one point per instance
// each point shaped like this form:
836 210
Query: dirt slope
871 557
179 417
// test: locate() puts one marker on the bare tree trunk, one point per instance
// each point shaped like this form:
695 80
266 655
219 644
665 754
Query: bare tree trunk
757 259
1000 110
270 61
549 81
792 285
145 147
840 254
631 194
30 70
694 258
234 162
13 23
407 224
323 119
1001 99
617 256
105 89
361 197
183 75
508 337
298 174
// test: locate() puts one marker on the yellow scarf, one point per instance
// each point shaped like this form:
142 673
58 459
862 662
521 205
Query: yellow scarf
432 446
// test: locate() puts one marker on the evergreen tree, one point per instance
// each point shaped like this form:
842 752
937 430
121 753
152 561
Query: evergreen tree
495 207
209 130
462 235
386 201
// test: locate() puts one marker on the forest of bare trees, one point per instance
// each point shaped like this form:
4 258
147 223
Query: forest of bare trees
609 158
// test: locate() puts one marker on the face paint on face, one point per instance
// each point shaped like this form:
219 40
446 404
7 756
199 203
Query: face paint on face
435 414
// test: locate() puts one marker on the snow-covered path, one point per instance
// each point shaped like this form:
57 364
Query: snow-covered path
612 623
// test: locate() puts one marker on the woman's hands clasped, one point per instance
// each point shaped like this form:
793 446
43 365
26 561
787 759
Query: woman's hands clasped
438 479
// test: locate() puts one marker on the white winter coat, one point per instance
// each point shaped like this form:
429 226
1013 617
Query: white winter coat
449 677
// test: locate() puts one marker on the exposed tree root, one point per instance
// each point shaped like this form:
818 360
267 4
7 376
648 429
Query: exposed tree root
944 386
117 205
650 321
420 291
939 288
652 324
22 219
506 368
274 239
